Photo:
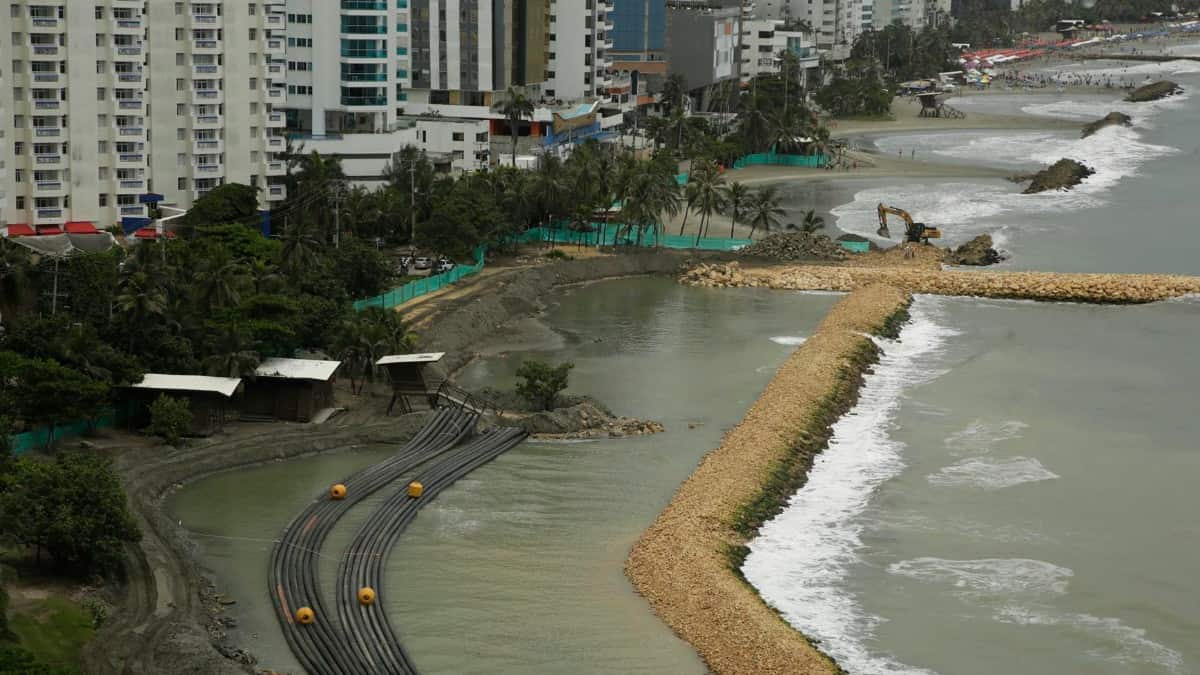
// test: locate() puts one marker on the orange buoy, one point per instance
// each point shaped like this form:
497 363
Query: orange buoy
338 491
305 616
415 489
366 595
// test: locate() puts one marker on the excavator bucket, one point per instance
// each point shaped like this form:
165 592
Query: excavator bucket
883 231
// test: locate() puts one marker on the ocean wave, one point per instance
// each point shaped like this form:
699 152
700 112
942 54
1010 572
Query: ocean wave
991 474
1002 577
800 558
981 437
789 340
1117 642
1087 110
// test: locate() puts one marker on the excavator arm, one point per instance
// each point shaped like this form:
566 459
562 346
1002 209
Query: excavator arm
913 231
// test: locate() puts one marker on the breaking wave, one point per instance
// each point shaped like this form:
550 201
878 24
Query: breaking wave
991 474
800 558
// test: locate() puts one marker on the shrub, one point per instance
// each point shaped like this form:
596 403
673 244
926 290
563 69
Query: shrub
170 418
557 254
541 382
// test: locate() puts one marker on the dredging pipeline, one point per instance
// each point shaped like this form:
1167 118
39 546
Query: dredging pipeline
687 563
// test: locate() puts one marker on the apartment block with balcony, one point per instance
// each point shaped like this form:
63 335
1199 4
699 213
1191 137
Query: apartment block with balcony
581 35
763 43
87 138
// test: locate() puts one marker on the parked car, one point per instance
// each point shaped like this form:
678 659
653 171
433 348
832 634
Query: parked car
444 265
422 263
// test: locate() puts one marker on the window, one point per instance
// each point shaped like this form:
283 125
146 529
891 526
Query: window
102 173
180 59
179 9
253 83
252 9
180 84
181 183
103 199
19 176
101 94
101 67
181 134
180 109
253 108
101 120
99 12
102 147
457 136
20 203
181 159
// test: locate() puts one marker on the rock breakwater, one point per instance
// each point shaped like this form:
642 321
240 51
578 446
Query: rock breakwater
1153 91
1111 119
687 563
1048 286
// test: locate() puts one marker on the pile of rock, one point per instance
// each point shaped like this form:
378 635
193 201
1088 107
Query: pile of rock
795 246
1062 175
1111 119
727 275
1154 91
977 252
582 420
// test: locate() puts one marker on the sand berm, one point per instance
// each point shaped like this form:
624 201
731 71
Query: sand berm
685 563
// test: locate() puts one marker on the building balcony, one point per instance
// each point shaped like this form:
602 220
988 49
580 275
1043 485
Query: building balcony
128 132
276 143
277 72
46 104
205 21
130 104
365 54
46 77
131 185
50 188
208 170
45 24
47 132
128 52
207 96
276 21
206 121
276 46
132 210
48 161
206 146
364 101
131 158
129 78
276 168
365 6
206 46
41 51
276 95
363 79
50 216
208 69
276 120
127 26
276 193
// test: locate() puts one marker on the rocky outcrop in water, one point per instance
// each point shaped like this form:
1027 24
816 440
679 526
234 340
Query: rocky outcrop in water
1062 175
977 252
1154 91
795 246
572 417
1111 119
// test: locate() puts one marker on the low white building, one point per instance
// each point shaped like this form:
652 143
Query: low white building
763 40
453 145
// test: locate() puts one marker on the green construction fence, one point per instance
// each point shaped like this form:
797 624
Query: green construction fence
775 159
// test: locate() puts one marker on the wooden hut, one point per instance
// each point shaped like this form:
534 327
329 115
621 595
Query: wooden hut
209 399
409 376
294 390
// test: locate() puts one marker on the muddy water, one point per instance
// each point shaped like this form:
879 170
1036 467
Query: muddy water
518 568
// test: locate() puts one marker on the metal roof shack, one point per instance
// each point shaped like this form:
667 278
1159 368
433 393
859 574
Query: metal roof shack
294 390
208 398
409 376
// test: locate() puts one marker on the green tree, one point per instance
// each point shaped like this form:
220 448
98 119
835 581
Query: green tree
710 197
812 222
170 418
216 279
228 203
736 197
49 393
363 271
515 107
73 508
674 91
764 210
541 383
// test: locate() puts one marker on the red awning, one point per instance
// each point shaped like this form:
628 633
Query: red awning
20 230
149 233
82 227
49 229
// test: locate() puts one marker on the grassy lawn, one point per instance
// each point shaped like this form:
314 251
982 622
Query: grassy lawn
53 630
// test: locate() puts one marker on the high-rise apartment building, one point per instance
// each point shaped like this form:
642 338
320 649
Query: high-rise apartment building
114 99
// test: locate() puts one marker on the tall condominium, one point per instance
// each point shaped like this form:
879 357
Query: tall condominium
358 66
110 100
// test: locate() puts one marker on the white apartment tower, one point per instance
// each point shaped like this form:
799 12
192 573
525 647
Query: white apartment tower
580 67
110 100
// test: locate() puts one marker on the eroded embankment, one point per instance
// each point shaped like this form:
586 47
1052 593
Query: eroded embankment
1049 286
686 563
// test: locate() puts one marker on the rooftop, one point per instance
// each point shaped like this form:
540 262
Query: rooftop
297 369
410 358
226 386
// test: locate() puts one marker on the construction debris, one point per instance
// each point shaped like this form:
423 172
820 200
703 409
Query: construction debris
795 246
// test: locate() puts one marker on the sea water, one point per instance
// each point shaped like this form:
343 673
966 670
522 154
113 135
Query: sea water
1013 491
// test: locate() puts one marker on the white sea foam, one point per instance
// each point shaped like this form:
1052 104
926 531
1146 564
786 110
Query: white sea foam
1114 640
980 437
788 340
988 577
991 474
800 558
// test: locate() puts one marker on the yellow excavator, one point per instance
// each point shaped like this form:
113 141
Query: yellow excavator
916 232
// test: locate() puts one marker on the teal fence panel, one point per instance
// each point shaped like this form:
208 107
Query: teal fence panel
773 159
415 289
856 246
40 438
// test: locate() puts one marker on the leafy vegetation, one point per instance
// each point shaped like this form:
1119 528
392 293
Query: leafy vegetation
541 383
51 634
72 508
170 418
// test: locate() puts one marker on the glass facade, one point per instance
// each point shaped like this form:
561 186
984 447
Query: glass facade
639 25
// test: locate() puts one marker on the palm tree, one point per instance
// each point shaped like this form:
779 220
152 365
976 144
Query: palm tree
215 279
233 356
264 275
812 222
689 195
316 179
299 250
674 89
140 301
709 194
736 196
515 107
753 123
764 210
